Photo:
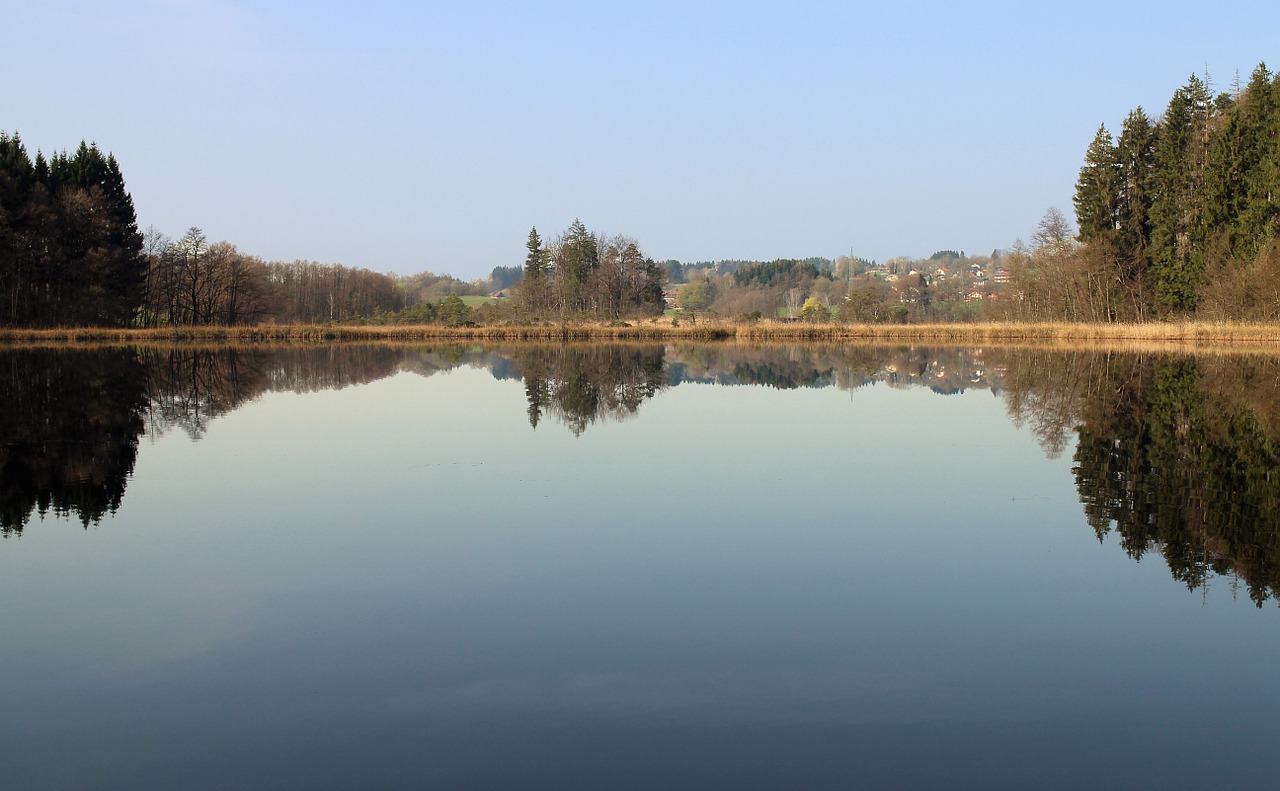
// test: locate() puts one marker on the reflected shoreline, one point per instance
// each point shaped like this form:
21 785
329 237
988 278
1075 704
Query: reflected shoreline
1177 454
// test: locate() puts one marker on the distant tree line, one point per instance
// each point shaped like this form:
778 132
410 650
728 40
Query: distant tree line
70 251
773 273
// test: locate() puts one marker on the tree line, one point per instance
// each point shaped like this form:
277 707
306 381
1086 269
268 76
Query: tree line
1180 215
71 254
1177 216
70 251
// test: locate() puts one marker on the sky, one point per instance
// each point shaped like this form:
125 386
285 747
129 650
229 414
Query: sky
410 136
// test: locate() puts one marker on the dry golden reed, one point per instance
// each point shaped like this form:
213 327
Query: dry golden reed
1190 334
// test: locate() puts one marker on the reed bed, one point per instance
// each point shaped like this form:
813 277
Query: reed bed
1163 334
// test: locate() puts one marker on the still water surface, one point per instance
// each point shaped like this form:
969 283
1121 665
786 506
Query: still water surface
638 567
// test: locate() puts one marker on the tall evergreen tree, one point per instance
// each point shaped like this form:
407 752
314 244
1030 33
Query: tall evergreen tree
1259 217
1135 152
1176 223
577 257
535 263
1097 198
1232 154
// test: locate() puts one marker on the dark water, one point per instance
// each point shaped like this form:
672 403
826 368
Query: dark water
638 567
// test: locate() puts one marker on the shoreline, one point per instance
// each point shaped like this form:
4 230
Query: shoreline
1174 334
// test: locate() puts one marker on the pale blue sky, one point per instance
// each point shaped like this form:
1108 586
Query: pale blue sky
403 136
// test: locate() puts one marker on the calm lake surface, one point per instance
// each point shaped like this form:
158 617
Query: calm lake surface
638 566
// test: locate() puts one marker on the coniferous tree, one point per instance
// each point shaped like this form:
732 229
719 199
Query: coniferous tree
1224 199
70 252
1259 217
1176 222
578 256
534 290
535 263
1097 198
1135 151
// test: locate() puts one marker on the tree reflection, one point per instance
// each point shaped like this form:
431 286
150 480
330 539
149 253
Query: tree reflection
1175 454
190 386
580 385
68 433
72 418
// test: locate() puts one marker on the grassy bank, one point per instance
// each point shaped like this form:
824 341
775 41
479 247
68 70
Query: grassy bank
1173 333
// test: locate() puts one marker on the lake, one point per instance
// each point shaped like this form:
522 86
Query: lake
638 566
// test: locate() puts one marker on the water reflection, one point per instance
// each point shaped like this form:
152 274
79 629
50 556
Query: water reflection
68 432
1173 454
582 385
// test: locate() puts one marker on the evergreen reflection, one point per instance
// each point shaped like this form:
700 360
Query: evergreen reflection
1175 454
68 432
72 418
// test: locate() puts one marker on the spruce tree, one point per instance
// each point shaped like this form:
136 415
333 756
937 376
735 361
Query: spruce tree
1259 218
535 263
578 257
1097 198
1223 199
1176 223
1135 152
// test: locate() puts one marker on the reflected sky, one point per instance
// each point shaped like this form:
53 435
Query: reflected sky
403 583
